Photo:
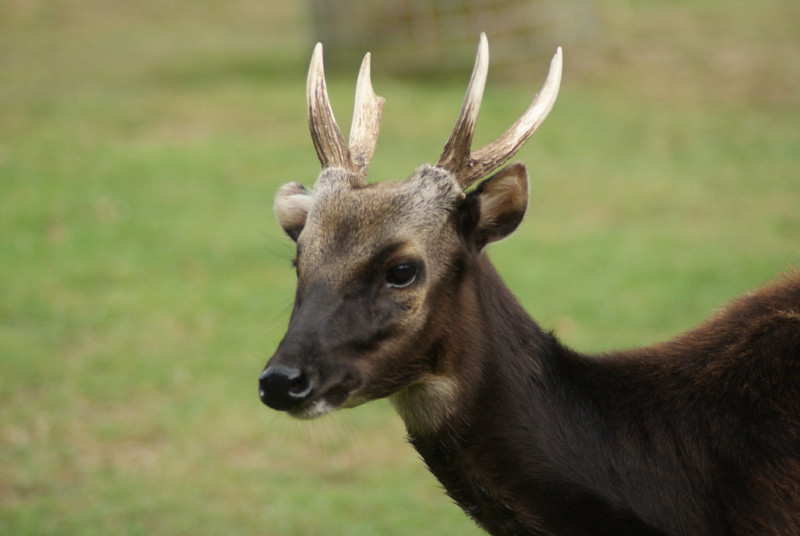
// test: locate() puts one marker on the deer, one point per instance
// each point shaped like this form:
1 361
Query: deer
396 298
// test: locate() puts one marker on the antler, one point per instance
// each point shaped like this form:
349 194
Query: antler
469 166
328 140
367 114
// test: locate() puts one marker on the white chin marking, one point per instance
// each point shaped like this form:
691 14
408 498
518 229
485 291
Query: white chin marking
316 409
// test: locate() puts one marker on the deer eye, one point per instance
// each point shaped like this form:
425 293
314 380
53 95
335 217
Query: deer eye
401 275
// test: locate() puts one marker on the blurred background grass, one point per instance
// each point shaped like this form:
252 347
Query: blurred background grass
145 283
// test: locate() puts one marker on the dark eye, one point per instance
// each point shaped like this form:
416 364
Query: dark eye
401 275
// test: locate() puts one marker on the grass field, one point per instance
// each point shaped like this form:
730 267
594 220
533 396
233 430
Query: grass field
145 282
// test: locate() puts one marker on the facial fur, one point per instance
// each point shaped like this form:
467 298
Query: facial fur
379 271
345 310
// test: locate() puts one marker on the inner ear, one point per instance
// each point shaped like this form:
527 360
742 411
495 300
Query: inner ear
292 204
497 205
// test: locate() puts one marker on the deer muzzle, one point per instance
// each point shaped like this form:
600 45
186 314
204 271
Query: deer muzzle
284 388
315 367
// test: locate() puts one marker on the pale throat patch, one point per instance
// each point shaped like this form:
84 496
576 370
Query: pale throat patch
426 406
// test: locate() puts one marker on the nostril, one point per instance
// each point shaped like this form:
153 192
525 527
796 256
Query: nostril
282 388
299 387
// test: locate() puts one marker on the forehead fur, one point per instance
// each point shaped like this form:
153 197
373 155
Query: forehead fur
355 220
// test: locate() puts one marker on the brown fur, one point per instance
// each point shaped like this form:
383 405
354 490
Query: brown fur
396 298
699 435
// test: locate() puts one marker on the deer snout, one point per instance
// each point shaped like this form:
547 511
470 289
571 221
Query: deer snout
283 387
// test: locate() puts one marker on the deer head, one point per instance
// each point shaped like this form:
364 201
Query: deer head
382 268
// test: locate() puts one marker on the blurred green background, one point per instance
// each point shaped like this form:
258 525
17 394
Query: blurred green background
144 282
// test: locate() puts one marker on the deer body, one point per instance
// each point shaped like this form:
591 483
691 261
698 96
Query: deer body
396 298
695 436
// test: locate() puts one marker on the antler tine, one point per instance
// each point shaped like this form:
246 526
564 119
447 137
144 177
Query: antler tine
456 155
497 153
367 115
328 141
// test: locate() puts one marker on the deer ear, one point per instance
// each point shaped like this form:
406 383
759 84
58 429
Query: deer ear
292 204
497 205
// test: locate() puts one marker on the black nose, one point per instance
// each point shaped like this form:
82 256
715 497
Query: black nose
281 387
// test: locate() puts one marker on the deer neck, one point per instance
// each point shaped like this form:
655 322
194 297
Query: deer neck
518 387
488 349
